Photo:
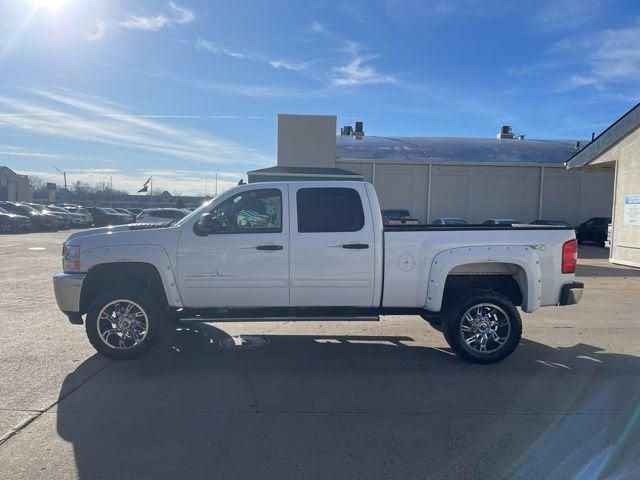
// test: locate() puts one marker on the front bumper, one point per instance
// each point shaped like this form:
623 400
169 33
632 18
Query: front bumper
571 293
67 288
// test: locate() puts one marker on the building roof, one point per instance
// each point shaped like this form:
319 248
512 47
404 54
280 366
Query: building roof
619 129
454 150
305 172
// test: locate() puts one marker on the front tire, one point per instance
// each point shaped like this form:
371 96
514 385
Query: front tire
483 327
125 323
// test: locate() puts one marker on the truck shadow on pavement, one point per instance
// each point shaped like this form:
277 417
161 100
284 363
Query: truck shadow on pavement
322 406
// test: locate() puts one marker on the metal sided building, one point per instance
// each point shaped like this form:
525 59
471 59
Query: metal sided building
471 178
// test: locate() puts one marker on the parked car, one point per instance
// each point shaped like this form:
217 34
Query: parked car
76 220
39 221
501 221
62 220
449 221
593 230
131 217
398 217
11 222
158 215
309 250
103 217
551 223
87 218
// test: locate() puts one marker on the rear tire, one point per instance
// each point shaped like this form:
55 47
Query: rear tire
124 323
482 326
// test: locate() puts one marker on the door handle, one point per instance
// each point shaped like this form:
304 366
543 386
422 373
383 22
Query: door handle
269 247
355 246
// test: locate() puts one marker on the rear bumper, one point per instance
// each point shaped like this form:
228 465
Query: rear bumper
571 293
67 288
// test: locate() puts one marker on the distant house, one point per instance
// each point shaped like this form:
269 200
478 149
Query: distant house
14 187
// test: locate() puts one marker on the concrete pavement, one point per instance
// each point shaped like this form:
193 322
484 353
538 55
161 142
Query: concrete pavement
319 400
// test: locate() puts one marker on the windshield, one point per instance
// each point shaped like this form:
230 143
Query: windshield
26 209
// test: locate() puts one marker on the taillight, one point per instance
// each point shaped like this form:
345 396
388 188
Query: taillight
569 256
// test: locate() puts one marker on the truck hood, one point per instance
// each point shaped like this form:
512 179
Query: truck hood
135 233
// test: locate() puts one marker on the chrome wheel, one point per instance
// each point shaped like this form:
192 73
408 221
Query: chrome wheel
485 328
5 227
122 324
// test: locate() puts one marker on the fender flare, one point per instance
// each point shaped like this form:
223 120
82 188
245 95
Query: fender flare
152 254
523 256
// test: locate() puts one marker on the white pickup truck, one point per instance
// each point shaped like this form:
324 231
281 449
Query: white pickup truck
312 250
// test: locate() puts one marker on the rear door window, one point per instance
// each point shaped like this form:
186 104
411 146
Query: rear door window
329 210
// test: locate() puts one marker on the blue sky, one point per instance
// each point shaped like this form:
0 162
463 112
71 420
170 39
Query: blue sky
124 89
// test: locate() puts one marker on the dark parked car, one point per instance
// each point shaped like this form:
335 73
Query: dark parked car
10 222
552 223
593 230
398 217
103 217
131 217
63 220
39 221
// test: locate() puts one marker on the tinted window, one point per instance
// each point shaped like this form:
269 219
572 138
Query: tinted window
253 211
329 210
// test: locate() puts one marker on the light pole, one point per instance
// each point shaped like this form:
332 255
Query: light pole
64 174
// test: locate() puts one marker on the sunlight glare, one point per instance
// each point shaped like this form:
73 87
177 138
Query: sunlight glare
52 5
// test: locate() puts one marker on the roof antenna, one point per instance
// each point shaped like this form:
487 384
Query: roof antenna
593 135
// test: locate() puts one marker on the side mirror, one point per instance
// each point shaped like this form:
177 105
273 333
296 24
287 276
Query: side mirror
207 225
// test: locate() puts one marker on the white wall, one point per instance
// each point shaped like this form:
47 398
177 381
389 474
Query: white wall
306 140
478 192
625 247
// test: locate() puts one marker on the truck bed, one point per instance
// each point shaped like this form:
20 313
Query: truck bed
419 260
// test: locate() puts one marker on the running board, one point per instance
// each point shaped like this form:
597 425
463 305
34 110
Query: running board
372 318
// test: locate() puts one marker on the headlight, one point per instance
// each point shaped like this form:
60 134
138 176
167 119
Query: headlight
70 258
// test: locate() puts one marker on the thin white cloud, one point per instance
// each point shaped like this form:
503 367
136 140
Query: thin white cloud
13 151
219 49
286 65
63 114
98 32
607 57
562 14
175 15
319 28
358 69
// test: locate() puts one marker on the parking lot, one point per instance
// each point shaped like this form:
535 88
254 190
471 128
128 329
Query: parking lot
368 400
